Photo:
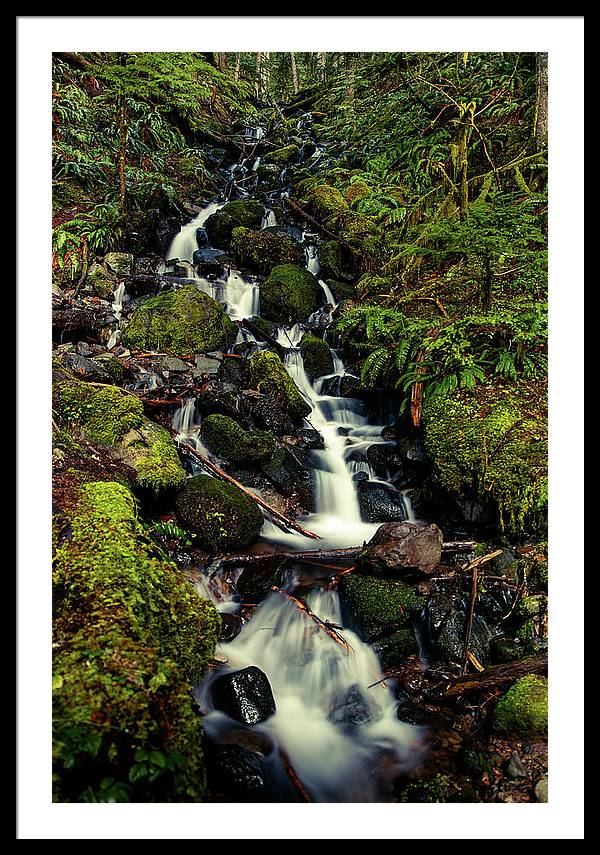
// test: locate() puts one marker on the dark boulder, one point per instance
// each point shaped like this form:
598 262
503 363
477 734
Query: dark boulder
234 773
377 607
350 709
245 695
380 503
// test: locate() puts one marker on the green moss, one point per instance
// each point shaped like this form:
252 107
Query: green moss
226 438
269 377
290 294
330 260
524 708
393 650
486 444
222 516
435 790
241 212
356 190
130 636
331 209
316 355
261 250
283 156
102 414
181 322
155 459
378 606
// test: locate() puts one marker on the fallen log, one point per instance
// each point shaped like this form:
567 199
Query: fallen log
494 676
293 206
327 628
278 519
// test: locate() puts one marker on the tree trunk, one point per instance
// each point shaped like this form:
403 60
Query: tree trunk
464 134
541 107
222 62
321 62
295 85
238 59
350 74
258 78
122 153
486 302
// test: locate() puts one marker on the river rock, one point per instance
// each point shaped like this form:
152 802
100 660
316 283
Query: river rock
397 547
235 773
376 607
220 225
394 649
120 263
384 458
244 695
265 413
350 709
260 251
541 790
290 294
380 503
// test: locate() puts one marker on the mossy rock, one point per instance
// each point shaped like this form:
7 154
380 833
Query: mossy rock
524 708
223 517
460 430
394 649
182 321
101 280
330 260
341 290
149 450
285 155
269 377
130 637
229 440
290 294
332 210
261 251
357 190
241 212
316 356
121 263
376 607
103 415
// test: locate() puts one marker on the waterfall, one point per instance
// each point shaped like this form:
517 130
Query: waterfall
341 731
184 244
269 219
117 307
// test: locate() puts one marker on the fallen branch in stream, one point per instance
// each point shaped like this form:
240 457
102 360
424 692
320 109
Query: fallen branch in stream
305 216
259 333
318 555
327 628
474 567
494 676
293 776
278 519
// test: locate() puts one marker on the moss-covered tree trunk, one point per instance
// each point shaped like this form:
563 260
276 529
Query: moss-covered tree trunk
541 106
295 85
122 152
465 128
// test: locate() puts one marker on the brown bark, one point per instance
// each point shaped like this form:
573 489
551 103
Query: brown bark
238 60
494 676
541 107
327 628
295 85
222 61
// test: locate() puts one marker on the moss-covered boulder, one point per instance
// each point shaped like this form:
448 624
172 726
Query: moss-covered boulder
101 280
121 263
283 156
107 416
316 356
241 212
377 607
130 637
330 260
331 209
183 321
228 439
524 708
222 516
269 377
488 445
290 294
261 251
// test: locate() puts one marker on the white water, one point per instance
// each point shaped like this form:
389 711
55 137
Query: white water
310 675
117 307
184 243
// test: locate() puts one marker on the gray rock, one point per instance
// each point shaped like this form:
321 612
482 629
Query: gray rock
402 546
514 768
175 365
541 790
245 695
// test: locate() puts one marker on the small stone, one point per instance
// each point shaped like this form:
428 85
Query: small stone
515 769
244 695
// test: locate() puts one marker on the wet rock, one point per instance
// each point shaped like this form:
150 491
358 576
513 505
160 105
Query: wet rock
174 365
58 295
269 376
235 773
504 649
85 368
384 458
265 413
226 438
380 502
375 607
76 322
413 713
311 438
245 695
447 622
316 356
396 547
209 365
255 583
101 280
341 386
120 263
222 516
394 649
350 710
209 261
515 769
413 449
147 265
290 472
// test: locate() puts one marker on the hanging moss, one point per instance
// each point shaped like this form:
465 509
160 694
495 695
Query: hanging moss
222 516
316 356
182 321
524 708
261 251
227 439
130 636
268 376
485 444
290 294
